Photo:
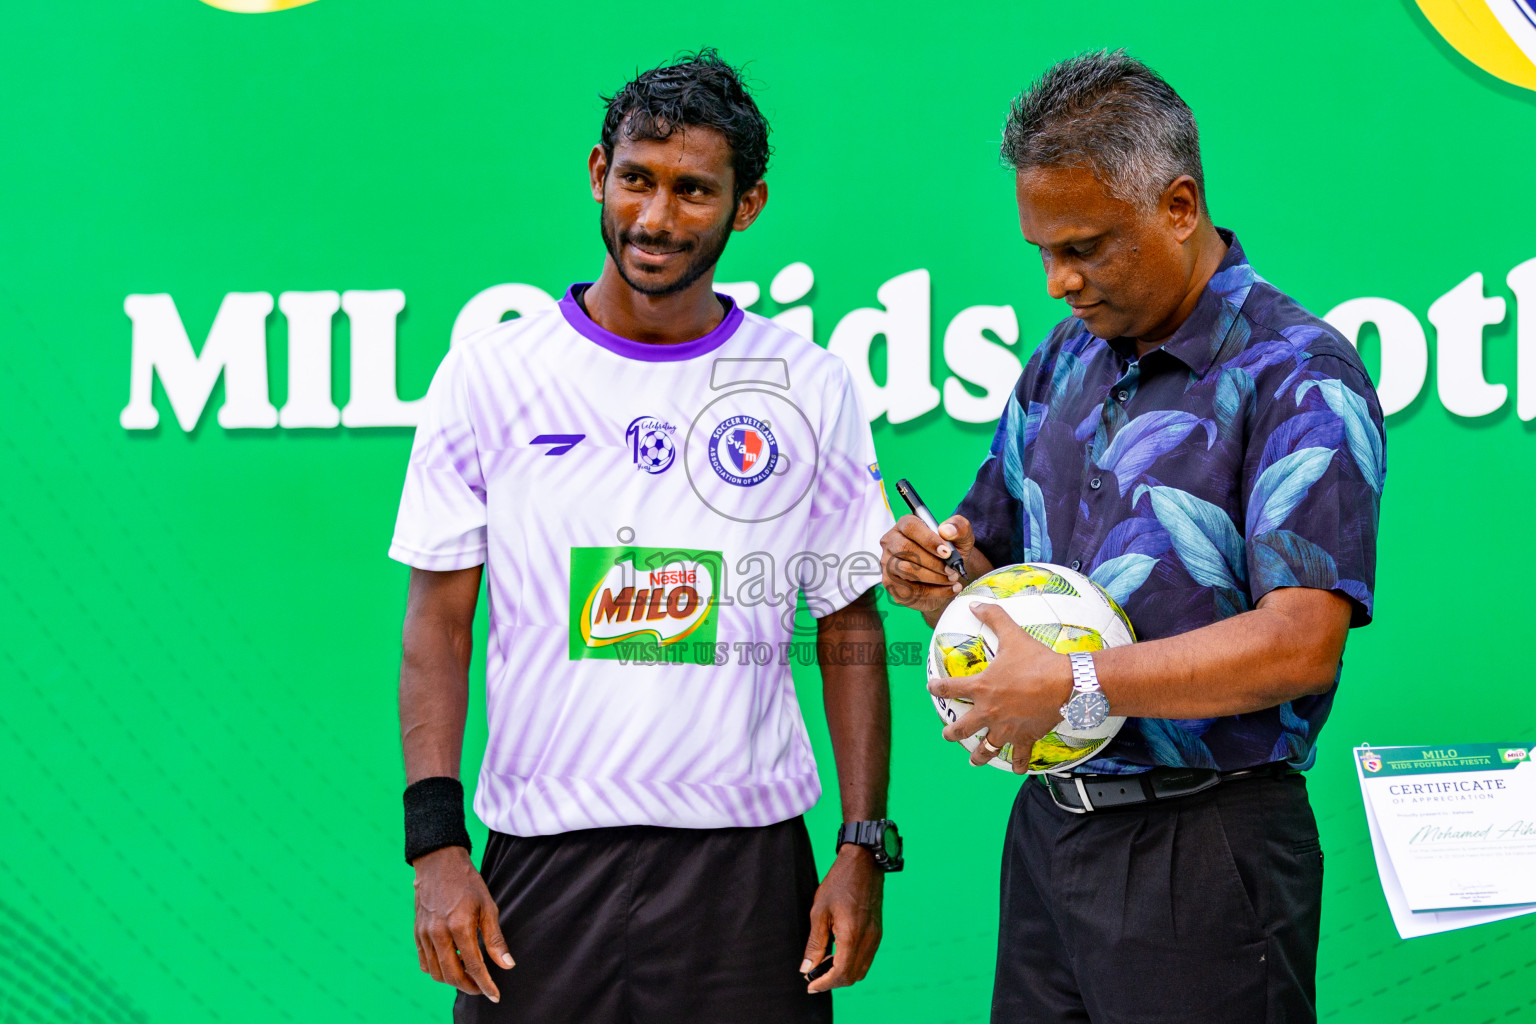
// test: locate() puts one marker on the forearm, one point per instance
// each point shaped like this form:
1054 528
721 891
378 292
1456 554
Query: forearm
437 643
1286 648
857 698
434 699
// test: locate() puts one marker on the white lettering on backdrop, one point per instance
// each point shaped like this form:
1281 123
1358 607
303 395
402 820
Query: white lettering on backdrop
309 359
236 347
374 402
977 349
1522 281
1459 317
908 391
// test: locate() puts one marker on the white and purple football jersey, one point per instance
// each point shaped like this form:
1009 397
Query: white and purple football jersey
648 516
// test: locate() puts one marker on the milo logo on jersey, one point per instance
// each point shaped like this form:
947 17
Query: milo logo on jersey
644 604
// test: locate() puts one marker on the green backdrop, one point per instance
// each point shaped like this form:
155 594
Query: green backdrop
199 802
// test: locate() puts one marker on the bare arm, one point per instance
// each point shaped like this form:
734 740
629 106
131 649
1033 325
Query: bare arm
1287 647
437 643
856 692
857 695
454 910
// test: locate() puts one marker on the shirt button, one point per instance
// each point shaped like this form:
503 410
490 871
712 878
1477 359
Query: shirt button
1076 564
1095 483
1122 395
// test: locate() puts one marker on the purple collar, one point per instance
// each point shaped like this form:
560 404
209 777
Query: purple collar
584 325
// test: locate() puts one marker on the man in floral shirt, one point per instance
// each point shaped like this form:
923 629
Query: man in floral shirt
1213 456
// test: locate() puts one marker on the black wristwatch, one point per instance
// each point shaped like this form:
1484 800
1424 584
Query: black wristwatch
878 837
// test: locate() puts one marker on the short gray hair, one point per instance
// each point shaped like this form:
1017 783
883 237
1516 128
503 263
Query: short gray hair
1110 112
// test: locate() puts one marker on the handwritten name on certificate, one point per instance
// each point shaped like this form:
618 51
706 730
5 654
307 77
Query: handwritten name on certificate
1459 823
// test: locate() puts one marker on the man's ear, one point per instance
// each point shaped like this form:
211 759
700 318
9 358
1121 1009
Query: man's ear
1181 202
750 205
597 167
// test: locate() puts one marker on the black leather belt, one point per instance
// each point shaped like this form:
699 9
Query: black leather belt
1081 794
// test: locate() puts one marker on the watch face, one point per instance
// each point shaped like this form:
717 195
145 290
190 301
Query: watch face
1087 710
891 842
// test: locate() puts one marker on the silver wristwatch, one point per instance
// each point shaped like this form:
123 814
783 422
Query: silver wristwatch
1087 708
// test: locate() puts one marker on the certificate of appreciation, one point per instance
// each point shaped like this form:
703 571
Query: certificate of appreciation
1454 828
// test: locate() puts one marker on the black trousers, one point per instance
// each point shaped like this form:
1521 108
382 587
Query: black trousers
643 925
1203 909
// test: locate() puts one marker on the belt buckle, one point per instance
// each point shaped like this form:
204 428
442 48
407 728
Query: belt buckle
1082 794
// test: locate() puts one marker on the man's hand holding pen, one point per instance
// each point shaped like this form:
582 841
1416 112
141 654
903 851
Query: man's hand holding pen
914 557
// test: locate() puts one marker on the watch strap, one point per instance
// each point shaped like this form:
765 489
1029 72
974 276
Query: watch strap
860 833
1085 677
871 836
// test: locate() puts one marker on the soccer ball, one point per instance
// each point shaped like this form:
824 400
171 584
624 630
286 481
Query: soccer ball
1062 609
656 451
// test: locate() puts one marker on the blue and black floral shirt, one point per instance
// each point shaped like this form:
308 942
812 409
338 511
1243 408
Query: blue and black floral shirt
1244 454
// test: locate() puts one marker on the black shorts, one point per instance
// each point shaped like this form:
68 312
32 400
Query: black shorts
1201 909
644 925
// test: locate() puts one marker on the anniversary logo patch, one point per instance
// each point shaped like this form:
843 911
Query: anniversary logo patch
651 444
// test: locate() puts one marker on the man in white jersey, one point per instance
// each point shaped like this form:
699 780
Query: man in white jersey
651 477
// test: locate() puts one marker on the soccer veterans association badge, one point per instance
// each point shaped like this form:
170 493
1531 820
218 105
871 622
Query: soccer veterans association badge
644 605
651 444
741 439
1370 761
743 451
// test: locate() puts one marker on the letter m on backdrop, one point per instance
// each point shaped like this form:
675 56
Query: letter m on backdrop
236 347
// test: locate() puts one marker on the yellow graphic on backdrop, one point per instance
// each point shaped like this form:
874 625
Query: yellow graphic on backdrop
1498 36
256 6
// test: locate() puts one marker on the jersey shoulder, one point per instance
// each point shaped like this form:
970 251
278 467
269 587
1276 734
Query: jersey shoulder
514 335
520 349
762 339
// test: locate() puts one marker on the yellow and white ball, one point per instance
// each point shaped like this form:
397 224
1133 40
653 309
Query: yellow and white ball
1062 609
256 6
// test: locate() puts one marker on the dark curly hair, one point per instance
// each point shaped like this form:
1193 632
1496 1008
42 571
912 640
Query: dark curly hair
697 89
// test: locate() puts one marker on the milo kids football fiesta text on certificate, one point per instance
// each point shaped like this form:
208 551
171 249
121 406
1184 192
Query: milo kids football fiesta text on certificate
1458 824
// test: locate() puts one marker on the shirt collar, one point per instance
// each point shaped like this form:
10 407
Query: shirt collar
1201 336
588 328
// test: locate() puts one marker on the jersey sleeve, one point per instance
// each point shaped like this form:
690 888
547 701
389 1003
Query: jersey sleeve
1312 483
441 523
849 510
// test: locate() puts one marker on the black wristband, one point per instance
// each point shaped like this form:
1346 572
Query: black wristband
434 816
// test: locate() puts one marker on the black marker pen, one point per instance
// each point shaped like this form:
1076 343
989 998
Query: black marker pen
909 495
